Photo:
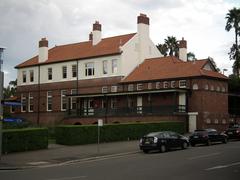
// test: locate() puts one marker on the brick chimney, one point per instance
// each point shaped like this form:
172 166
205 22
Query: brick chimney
43 50
183 49
143 25
90 36
97 34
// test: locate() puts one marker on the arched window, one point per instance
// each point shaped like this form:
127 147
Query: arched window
195 86
206 87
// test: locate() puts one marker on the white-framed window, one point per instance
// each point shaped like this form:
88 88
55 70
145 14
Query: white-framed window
195 86
218 88
49 73
212 88
89 69
114 66
31 75
149 86
139 87
223 89
73 99
165 84
224 121
173 84
24 103
74 70
104 89
49 100
216 121
24 76
64 72
182 84
157 85
105 66
113 88
113 102
206 87
30 102
63 100
208 121
130 87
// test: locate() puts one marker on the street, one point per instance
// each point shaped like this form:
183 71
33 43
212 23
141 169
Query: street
220 161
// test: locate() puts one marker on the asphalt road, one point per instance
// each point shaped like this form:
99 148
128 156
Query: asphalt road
221 162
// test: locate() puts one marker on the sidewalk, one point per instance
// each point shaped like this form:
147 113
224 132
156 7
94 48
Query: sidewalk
56 154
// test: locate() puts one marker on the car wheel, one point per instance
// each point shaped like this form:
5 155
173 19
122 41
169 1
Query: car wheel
208 143
163 148
145 151
225 141
192 144
184 145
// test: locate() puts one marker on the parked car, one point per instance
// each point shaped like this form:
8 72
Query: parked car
207 136
163 141
233 132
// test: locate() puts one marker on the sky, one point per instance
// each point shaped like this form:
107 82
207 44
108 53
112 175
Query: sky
201 22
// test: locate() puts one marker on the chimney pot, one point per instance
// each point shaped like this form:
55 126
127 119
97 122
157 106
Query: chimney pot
97 26
43 42
142 18
182 43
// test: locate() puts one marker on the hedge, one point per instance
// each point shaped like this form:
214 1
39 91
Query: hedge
16 140
78 134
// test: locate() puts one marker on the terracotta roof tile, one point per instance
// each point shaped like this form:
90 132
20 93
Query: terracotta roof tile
168 68
106 46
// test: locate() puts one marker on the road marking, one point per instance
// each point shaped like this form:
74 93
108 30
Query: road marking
68 178
38 163
223 166
204 156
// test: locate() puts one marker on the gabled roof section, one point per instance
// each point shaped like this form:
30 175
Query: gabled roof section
82 50
170 68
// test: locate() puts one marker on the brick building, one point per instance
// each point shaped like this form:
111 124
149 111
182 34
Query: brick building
120 79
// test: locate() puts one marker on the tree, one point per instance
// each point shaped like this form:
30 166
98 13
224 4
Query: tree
191 56
163 49
10 90
172 45
233 22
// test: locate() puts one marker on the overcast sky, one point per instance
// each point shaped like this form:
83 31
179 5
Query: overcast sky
200 22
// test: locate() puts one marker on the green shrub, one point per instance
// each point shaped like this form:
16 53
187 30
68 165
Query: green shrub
16 140
74 134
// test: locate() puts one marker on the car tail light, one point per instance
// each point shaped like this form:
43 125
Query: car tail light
155 140
237 131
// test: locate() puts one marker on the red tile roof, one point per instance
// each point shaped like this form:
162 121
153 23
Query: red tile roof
168 68
82 50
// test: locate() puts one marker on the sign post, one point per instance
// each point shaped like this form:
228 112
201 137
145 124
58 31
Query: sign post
100 124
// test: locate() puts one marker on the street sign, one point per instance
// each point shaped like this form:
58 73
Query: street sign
100 122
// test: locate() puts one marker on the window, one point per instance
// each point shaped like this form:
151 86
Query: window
30 102
223 89
114 66
105 67
31 75
173 84
49 73
157 85
24 77
206 87
24 103
216 121
49 101
139 87
182 84
104 103
63 100
224 121
195 86
212 88
114 103
149 85
130 102
74 70
165 84
89 69
114 89
130 87
218 88
74 99
64 72
208 121
104 89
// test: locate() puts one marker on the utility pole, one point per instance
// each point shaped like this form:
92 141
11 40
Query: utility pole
1 96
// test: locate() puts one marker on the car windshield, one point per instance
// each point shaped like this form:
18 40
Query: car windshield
200 132
153 134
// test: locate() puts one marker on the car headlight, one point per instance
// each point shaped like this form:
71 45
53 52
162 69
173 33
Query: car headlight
155 140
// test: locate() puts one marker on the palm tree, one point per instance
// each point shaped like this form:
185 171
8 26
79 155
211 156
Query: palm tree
163 49
233 22
172 45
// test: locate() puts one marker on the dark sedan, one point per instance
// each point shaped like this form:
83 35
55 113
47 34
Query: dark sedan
233 132
163 141
207 136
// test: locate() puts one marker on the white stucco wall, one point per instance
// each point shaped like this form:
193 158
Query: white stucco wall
57 70
43 54
183 54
